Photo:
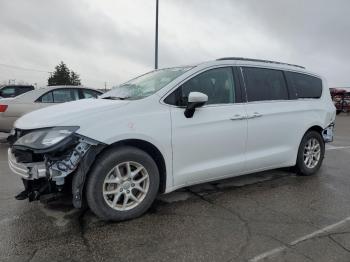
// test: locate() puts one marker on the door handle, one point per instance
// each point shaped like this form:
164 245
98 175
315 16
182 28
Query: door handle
238 117
255 115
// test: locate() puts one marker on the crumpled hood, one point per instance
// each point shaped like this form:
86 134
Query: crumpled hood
67 114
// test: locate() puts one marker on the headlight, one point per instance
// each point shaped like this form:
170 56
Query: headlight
45 138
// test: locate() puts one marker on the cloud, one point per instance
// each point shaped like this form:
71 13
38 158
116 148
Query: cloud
113 40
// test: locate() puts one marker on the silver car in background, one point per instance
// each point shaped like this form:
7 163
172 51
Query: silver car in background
13 108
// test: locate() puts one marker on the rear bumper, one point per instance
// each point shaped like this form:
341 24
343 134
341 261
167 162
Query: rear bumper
28 171
328 133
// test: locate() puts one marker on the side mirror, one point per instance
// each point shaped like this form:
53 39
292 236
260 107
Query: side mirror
195 99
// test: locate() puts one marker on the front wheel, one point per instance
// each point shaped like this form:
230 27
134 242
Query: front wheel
310 154
123 184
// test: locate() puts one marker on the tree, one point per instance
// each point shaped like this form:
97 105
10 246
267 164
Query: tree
63 76
74 79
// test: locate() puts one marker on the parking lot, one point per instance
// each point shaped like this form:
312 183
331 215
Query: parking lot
269 216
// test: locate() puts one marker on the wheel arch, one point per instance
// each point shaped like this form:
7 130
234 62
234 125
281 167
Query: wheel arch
153 151
316 128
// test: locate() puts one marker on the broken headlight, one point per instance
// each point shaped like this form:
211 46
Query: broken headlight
45 138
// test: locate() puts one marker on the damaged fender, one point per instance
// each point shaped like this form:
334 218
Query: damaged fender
81 173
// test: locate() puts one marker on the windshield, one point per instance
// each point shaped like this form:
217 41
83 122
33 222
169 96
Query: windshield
145 85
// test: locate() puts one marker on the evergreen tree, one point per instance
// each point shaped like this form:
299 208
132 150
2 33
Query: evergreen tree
74 79
63 76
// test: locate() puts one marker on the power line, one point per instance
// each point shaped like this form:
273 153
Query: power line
25 69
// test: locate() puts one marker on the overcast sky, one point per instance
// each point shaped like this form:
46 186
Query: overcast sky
113 40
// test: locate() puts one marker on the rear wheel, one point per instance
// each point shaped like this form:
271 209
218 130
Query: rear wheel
123 184
310 154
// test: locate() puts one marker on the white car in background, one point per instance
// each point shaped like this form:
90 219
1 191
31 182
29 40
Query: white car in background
172 128
13 108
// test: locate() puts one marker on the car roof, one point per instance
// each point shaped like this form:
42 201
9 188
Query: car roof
242 61
36 93
2 86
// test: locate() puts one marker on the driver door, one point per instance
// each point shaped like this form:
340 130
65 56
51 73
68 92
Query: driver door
211 144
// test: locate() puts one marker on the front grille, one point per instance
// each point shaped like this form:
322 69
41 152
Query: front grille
23 156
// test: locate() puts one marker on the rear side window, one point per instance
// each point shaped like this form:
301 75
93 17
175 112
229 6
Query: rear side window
65 95
305 86
60 96
265 84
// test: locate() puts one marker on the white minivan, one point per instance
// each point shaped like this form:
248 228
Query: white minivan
171 128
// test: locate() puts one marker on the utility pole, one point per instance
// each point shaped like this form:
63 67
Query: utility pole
105 86
156 42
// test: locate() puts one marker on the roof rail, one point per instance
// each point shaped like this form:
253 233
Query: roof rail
257 60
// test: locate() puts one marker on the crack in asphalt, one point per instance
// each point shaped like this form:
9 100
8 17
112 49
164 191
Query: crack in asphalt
292 246
33 255
338 244
329 236
245 221
303 255
240 218
218 189
247 227
194 216
82 230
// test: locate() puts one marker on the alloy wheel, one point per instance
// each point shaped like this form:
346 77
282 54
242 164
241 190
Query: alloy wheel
126 185
312 153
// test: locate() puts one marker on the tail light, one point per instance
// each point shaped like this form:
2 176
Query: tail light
3 108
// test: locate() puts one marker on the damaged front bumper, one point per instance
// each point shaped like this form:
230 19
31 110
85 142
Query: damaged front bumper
28 171
47 175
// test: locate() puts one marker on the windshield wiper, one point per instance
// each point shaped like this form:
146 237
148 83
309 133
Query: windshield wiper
115 97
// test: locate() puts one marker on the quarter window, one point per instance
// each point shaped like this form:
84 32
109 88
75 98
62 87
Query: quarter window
47 98
217 84
305 86
23 89
265 84
90 93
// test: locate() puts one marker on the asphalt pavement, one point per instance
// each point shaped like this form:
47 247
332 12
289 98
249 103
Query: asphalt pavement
269 216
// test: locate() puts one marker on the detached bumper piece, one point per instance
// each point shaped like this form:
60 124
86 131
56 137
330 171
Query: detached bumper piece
47 176
38 189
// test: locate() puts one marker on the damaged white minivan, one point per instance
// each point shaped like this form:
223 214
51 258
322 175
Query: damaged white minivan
172 128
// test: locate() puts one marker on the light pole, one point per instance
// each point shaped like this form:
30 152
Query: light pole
156 42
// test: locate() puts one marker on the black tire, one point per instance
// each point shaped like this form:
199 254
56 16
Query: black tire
338 112
102 166
300 167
